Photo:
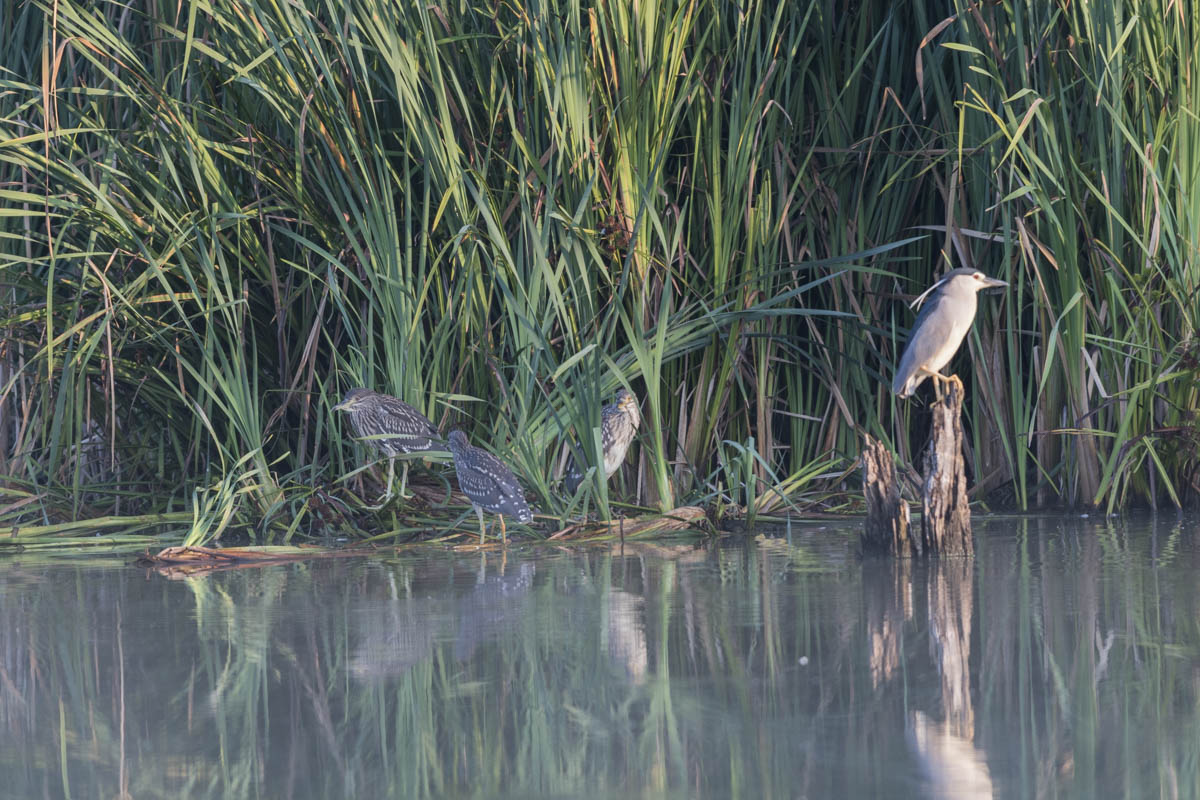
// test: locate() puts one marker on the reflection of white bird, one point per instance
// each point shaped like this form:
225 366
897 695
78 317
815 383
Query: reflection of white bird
953 765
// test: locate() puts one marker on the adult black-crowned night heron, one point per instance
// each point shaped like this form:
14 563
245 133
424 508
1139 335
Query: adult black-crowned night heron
618 423
944 320
487 483
391 426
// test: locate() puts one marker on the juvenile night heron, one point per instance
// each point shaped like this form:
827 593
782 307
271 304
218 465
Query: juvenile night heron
487 483
944 320
391 426
618 423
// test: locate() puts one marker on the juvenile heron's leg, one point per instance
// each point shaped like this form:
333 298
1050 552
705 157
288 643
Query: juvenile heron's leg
404 480
387 492
479 512
503 533
391 476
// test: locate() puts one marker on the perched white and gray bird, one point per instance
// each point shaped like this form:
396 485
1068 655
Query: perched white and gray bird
946 316
618 424
487 483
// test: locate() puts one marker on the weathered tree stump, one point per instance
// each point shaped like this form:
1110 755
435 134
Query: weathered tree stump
945 517
888 529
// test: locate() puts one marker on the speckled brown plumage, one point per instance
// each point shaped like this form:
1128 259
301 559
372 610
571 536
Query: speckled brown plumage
390 425
487 483
618 423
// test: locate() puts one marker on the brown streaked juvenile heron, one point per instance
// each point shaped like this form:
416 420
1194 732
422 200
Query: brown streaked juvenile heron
946 316
618 423
391 426
487 483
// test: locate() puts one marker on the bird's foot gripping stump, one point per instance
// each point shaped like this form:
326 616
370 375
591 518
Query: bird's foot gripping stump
945 516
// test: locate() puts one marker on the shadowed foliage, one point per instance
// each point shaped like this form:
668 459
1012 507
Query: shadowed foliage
216 218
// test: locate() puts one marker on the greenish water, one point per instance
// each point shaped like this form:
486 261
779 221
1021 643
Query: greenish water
1063 662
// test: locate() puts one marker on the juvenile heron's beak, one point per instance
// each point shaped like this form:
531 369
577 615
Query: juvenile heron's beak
342 406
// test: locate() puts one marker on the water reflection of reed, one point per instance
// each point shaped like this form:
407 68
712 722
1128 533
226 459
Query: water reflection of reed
1062 661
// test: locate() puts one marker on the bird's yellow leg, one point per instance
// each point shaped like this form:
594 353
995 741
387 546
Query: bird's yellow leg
938 380
479 513
503 533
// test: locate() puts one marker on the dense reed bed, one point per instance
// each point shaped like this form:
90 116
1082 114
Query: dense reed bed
215 218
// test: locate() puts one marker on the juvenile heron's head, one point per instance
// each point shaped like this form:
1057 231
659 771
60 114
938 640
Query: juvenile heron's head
457 441
353 399
629 406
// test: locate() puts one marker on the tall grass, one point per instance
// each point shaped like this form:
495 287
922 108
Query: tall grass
1089 178
216 218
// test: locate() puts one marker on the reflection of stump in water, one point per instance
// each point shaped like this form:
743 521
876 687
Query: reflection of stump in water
888 591
945 517
949 594
892 596
952 763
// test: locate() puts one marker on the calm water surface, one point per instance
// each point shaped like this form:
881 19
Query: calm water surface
1064 661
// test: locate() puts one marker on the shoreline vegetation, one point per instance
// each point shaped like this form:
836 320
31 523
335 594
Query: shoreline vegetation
216 218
